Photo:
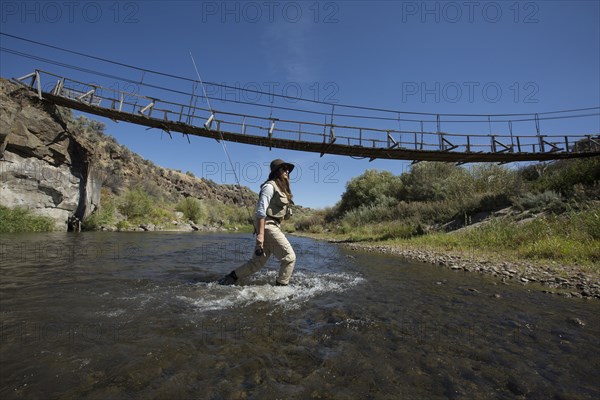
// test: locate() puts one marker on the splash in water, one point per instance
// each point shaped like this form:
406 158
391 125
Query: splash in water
306 285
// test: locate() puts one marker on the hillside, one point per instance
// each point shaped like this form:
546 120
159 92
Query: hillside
62 167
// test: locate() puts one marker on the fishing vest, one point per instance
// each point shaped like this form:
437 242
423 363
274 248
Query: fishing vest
279 206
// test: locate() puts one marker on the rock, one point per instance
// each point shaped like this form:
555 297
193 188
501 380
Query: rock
579 284
148 227
185 227
46 167
517 386
577 322
194 226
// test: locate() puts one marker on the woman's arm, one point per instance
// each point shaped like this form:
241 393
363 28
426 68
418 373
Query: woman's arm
264 198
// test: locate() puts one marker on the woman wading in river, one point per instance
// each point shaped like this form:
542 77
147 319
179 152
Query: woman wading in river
274 205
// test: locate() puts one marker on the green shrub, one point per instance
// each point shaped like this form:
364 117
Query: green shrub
495 180
371 188
105 215
135 204
123 225
368 214
395 230
434 181
561 176
227 215
547 200
193 209
22 220
584 223
313 222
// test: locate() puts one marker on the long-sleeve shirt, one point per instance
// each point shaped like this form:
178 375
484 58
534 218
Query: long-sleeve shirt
264 198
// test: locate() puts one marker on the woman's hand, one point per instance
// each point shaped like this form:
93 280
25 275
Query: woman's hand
260 239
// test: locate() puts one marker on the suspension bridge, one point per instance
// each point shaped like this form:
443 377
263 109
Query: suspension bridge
328 137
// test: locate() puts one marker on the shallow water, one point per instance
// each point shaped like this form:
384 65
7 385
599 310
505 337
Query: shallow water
134 315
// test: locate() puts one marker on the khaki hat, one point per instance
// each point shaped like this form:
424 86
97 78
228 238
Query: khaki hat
278 163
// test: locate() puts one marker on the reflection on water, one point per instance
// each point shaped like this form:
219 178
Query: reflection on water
105 315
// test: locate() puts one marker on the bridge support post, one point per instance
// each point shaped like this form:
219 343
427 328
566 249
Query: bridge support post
148 107
58 87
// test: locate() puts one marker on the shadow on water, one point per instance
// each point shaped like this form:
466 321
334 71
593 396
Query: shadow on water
105 315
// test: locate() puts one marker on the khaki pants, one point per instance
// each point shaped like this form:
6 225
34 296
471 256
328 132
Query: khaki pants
275 244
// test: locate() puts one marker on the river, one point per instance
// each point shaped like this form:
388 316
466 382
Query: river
135 316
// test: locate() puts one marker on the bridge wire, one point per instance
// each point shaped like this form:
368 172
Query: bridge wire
284 96
93 72
195 82
223 144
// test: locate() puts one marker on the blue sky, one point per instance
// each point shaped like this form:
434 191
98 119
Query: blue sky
438 56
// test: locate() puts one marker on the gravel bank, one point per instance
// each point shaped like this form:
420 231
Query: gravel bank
561 280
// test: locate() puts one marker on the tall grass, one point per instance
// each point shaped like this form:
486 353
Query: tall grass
573 237
22 220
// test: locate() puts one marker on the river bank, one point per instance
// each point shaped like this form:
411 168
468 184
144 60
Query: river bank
554 278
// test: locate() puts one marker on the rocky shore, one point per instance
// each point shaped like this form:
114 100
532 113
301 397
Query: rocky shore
567 281
180 227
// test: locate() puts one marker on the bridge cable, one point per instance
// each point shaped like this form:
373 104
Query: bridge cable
284 96
90 71
223 143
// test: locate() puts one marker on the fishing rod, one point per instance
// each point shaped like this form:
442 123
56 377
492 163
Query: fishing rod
208 125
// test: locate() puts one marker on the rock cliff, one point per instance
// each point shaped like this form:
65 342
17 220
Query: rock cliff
43 166
56 166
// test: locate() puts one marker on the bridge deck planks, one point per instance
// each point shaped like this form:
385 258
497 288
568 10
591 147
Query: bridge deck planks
397 153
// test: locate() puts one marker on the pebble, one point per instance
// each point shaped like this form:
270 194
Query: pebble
577 283
577 322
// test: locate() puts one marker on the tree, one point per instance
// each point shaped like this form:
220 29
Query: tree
370 188
430 180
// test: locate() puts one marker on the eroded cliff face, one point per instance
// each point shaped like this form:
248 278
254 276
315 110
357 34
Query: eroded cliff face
43 166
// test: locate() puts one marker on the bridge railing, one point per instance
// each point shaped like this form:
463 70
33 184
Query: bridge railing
304 131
